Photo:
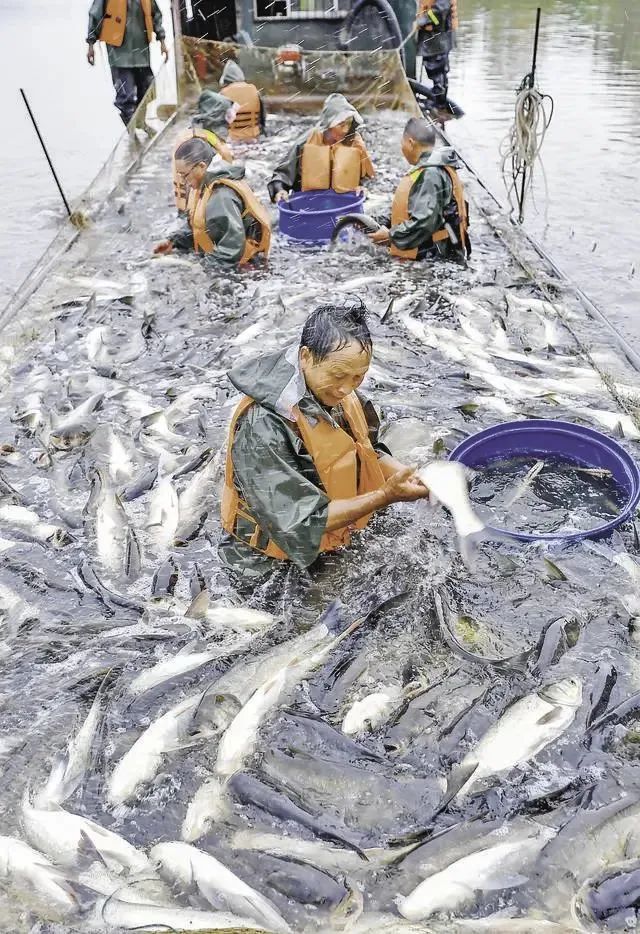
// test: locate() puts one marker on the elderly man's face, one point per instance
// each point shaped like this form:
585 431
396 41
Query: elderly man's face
340 373
191 174
336 134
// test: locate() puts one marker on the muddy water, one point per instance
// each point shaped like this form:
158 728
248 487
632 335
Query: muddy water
458 350
589 61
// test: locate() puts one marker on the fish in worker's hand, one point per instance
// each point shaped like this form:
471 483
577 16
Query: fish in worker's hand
447 484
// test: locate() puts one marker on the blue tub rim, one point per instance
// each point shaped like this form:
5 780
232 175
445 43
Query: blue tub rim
558 426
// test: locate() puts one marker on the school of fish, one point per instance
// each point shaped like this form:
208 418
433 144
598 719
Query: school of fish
398 740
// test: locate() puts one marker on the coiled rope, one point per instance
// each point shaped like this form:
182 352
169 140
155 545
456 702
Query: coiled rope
520 150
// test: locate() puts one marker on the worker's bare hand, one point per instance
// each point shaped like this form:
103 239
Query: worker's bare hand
164 50
282 195
404 486
90 54
165 247
380 236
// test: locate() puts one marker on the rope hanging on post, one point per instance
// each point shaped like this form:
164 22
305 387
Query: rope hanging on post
521 149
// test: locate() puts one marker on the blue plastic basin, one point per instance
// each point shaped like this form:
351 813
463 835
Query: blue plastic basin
575 443
311 215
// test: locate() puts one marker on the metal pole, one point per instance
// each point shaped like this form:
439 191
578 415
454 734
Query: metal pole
177 46
530 80
44 149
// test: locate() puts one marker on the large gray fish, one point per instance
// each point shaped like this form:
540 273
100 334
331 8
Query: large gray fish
111 599
523 730
248 789
191 869
585 845
111 529
512 663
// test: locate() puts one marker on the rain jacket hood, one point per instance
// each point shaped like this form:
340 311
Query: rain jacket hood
219 169
231 74
442 155
212 111
336 109
273 380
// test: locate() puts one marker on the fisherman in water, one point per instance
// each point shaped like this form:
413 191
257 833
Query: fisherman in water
226 221
211 122
304 466
436 23
333 155
127 28
429 215
249 119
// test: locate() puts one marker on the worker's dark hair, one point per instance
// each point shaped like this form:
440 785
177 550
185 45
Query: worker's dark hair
332 327
195 150
421 131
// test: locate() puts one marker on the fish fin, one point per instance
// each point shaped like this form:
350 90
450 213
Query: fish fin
459 778
504 880
198 606
550 717
88 852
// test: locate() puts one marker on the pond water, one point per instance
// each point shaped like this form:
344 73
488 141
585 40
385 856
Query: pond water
589 61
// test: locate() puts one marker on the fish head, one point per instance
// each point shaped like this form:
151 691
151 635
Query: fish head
567 692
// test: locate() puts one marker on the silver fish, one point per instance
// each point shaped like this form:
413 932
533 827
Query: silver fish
188 866
35 880
521 733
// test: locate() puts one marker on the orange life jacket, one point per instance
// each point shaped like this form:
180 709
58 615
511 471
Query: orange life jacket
197 207
339 166
247 121
400 210
424 6
180 186
346 468
114 21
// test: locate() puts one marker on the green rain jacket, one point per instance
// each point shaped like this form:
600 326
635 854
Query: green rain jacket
272 469
225 223
212 113
287 176
134 51
429 196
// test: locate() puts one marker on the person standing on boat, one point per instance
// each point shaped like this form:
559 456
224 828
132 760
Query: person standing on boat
436 23
429 214
211 122
127 28
226 221
333 155
250 116
305 467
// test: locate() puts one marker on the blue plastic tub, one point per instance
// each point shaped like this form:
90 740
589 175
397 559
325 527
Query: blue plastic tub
310 216
543 437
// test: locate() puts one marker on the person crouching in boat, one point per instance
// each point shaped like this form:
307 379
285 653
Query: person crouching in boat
249 119
226 221
305 467
211 123
333 155
429 214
